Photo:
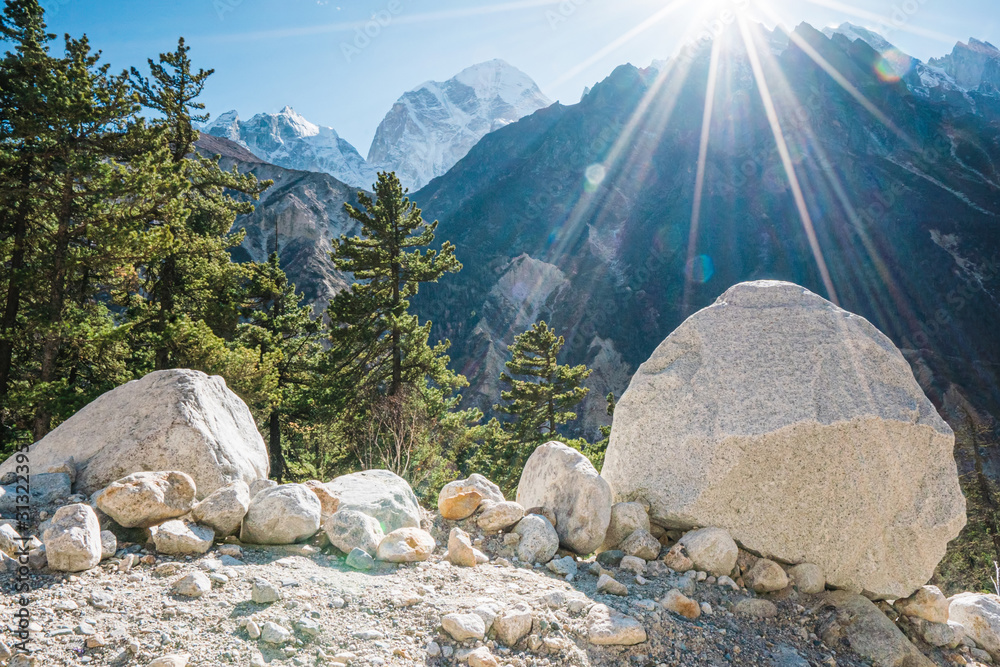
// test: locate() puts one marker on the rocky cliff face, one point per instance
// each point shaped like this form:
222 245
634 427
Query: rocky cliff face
432 127
303 210
967 63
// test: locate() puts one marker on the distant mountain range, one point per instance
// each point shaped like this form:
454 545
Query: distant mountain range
426 132
581 215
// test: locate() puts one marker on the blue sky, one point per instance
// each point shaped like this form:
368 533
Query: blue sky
308 53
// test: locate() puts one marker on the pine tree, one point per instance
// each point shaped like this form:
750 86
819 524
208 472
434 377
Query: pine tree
286 337
189 282
541 392
392 392
377 345
27 80
81 176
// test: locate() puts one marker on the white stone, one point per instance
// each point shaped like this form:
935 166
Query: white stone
501 516
349 529
563 481
459 499
800 428
193 585
481 657
765 576
711 550
145 499
460 550
641 544
109 544
379 494
73 539
633 564
223 510
406 545
513 625
283 514
176 538
563 566
263 591
272 633
168 420
172 660
808 578
979 614
626 518
539 540
928 603
10 541
605 626
464 626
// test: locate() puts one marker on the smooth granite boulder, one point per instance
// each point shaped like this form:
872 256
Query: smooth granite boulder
800 429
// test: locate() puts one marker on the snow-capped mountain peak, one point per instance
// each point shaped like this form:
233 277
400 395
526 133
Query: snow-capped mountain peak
855 32
433 126
299 125
498 79
288 140
225 125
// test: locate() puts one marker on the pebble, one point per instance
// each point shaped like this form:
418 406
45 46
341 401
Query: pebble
264 592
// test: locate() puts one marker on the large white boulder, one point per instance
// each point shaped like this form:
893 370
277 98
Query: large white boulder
539 540
145 499
979 614
459 499
711 549
223 510
349 530
176 538
168 420
380 494
799 428
282 514
564 481
73 539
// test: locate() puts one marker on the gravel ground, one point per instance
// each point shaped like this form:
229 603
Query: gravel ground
390 615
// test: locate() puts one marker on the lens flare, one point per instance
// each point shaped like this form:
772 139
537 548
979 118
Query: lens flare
699 269
594 176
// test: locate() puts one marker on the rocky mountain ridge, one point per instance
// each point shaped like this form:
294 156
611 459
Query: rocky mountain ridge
425 133
288 140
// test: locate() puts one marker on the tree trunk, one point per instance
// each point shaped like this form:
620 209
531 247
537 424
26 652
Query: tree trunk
57 294
397 353
166 298
274 447
12 303
551 389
